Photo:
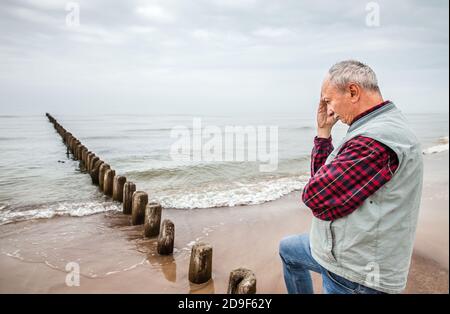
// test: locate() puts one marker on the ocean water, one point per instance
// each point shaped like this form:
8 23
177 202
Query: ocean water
38 179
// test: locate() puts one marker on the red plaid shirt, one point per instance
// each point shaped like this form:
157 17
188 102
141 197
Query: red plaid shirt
362 166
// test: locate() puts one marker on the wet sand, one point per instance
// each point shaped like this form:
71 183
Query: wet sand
115 258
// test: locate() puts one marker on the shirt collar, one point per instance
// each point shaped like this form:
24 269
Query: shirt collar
370 110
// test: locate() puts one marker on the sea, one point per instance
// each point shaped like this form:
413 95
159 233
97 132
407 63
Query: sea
40 180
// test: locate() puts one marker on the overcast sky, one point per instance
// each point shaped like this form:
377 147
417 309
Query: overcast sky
214 56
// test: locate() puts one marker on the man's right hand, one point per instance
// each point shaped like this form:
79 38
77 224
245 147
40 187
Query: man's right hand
325 120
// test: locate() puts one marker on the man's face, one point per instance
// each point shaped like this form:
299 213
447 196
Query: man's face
338 102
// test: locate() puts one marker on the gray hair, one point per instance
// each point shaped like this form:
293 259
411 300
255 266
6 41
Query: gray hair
351 71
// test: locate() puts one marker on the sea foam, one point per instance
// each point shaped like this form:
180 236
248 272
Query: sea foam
443 146
241 194
57 209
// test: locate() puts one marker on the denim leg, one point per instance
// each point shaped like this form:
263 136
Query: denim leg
334 284
295 254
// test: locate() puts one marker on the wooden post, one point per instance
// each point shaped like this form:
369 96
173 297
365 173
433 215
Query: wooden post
109 181
75 148
72 146
83 156
166 238
101 175
66 137
140 200
152 220
77 151
84 152
200 266
119 182
242 281
89 156
128 189
95 171
71 141
92 163
85 160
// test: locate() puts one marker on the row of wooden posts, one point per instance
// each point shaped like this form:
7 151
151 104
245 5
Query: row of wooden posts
135 203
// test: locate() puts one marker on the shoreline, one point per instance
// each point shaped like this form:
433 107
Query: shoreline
114 257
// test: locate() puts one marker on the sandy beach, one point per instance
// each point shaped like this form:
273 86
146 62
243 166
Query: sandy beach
115 258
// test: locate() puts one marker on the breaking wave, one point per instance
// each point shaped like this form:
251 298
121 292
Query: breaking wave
443 146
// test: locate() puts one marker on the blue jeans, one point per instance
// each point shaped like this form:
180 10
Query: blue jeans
297 261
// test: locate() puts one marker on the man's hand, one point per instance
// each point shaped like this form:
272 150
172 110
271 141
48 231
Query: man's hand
325 120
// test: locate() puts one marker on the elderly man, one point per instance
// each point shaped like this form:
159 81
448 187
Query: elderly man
364 194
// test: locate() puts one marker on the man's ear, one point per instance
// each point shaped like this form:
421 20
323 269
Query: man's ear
355 92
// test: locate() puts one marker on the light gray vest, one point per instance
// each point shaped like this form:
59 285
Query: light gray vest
373 245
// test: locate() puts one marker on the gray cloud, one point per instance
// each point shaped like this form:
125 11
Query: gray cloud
214 55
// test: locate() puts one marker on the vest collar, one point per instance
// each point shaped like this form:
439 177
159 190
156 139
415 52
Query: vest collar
371 115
